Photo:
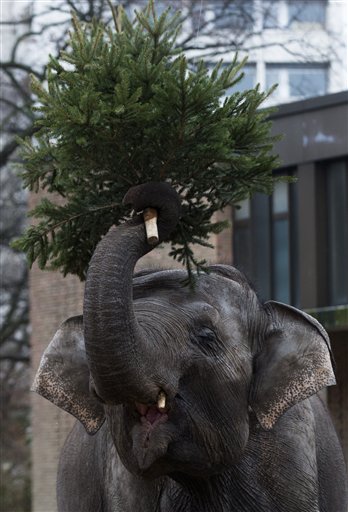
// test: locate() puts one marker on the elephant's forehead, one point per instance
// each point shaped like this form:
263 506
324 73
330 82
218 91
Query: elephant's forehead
222 292
173 304
212 298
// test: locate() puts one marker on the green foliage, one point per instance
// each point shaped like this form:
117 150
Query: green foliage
122 107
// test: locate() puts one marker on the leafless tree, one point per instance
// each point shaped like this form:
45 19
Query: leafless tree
14 350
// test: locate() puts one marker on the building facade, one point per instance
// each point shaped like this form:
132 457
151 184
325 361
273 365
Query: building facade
301 45
294 244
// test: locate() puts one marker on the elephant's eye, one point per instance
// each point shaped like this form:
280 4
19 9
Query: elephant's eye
206 340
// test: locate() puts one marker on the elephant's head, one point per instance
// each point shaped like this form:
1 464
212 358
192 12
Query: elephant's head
178 373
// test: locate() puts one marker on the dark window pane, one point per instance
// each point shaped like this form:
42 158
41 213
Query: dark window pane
247 82
242 212
233 15
272 76
294 253
338 232
280 198
281 261
270 12
307 82
261 235
307 11
242 249
280 242
300 80
265 243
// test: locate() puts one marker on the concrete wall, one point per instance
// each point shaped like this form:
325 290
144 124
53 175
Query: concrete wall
52 300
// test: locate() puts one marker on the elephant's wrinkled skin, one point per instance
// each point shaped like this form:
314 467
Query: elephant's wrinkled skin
242 428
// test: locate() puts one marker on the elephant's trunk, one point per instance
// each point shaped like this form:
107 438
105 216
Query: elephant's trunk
114 340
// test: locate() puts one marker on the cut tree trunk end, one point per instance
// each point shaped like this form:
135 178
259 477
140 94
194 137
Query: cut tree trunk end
150 218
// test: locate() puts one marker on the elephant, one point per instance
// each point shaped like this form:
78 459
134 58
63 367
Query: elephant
198 399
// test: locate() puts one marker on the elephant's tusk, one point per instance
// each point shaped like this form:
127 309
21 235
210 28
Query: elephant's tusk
161 400
150 218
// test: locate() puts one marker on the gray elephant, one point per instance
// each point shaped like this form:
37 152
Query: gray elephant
209 396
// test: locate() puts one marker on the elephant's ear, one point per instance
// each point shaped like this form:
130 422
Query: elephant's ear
63 376
294 363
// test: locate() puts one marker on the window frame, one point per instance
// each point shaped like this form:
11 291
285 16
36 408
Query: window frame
252 267
293 23
230 19
283 92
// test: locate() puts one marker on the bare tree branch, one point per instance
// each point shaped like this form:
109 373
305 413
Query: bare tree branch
23 67
16 358
202 35
9 148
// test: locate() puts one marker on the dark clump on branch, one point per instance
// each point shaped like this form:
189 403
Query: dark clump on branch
123 107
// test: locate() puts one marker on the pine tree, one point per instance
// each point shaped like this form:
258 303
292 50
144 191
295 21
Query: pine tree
122 107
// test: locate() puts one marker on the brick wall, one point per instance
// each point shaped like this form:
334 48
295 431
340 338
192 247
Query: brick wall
52 300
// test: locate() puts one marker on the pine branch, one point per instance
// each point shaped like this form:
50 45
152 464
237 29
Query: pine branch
121 107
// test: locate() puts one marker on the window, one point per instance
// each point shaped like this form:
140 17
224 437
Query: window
294 13
233 15
265 243
160 6
307 82
270 14
297 81
266 239
306 12
337 231
242 247
222 15
273 76
247 82
280 243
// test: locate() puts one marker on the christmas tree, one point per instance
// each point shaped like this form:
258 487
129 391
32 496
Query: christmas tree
123 106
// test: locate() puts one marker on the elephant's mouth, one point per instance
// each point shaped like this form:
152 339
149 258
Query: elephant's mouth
151 430
151 415
155 414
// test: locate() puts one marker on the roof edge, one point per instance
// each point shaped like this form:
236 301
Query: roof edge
310 104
